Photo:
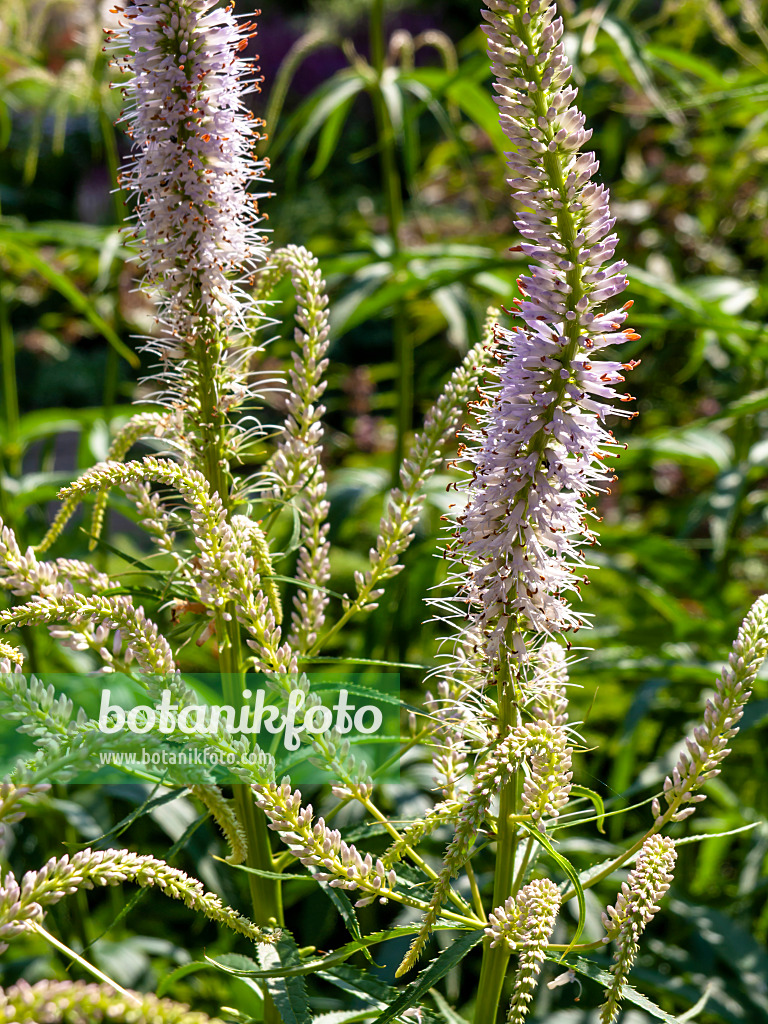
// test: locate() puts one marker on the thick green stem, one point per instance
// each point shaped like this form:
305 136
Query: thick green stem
265 892
495 960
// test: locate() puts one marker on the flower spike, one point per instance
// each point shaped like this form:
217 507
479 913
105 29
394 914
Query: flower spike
536 454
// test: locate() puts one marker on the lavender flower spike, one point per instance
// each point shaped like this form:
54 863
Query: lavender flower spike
537 452
195 221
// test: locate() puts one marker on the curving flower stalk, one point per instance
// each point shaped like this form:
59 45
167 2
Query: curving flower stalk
524 925
709 745
535 456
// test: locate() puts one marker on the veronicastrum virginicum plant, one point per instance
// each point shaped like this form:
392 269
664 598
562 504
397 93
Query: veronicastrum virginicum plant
498 723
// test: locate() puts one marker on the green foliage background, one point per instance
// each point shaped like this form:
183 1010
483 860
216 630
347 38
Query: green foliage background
677 95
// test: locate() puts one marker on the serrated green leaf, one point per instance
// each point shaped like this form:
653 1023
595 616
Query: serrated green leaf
333 959
361 983
289 994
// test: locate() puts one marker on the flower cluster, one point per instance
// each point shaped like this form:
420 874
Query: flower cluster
11 658
538 448
636 904
196 224
151 650
524 924
23 574
55 1002
547 785
546 790
227 567
295 470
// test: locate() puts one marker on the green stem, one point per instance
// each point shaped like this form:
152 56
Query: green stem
265 892
393 201
76 958
495 960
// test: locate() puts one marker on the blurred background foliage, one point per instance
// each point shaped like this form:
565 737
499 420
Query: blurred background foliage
387 161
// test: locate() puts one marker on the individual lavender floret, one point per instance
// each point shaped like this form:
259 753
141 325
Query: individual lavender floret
524 924
537 451
195 221
709 745
636 904
51 1002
